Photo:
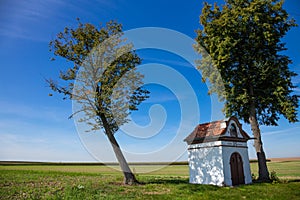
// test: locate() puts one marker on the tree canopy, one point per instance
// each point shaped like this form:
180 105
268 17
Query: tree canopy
103 80
243 38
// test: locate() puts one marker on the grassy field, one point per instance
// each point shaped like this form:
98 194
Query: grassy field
284 169
102 182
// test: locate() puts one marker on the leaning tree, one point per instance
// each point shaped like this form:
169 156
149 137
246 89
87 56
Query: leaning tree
102 81
243 39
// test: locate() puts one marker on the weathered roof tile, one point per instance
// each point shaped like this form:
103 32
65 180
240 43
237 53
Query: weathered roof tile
214 129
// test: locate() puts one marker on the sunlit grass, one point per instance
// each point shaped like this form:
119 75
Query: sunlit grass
28 184
284 169
181 170
103 182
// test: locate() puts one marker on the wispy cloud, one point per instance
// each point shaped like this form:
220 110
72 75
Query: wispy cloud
282 132
17 110
21 20
36 20
23 148
23 139
168 61
43 133
297 90
161 99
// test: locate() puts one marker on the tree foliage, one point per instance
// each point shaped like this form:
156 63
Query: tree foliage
243 38
103 81
104 69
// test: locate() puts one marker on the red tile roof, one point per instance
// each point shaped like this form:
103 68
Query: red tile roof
207 129
212 130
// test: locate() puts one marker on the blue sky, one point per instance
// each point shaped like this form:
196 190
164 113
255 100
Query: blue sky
34 126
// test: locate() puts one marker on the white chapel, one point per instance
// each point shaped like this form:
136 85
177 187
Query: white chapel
218 154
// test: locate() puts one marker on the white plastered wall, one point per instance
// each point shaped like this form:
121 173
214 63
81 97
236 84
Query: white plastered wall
205 163
209 163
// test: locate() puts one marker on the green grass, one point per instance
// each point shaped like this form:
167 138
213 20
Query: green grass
284 170
101 182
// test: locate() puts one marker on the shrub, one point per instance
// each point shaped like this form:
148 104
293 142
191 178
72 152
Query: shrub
274 178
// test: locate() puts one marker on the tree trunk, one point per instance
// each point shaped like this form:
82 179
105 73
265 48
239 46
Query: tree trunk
263 172
129 178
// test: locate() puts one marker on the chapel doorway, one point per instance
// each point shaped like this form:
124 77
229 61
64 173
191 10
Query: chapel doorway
237 171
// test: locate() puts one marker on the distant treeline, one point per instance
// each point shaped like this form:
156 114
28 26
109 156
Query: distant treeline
88 163
97 163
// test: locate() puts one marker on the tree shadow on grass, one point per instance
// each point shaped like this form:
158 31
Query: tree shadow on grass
293 181
183 185
167 181
254 182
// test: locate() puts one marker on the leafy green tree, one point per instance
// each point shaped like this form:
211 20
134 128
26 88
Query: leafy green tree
243 38
103 81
